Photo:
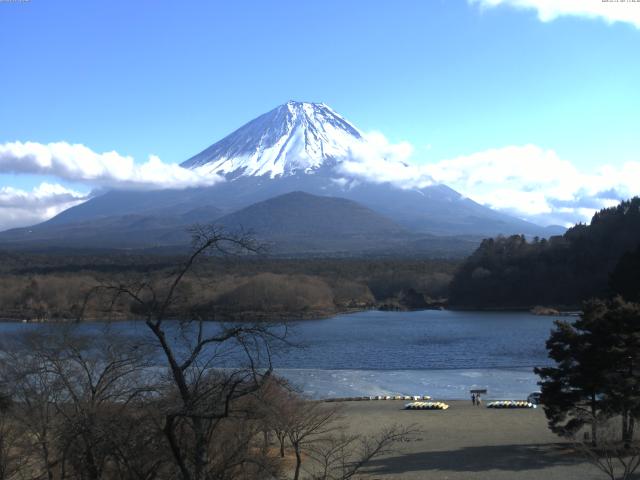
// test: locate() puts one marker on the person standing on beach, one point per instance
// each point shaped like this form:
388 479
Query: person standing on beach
478 400
473 399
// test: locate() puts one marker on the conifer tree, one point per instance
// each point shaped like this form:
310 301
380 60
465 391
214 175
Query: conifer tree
615 327
625 278
571 390
597 371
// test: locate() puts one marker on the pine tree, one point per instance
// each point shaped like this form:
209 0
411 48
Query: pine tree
571 390
616 329
625 278
597 372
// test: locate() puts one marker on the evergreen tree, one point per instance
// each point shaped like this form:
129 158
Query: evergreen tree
625 278
563 271
597 371
615 327
571 390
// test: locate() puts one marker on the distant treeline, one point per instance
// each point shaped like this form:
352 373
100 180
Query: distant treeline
55 287
596 260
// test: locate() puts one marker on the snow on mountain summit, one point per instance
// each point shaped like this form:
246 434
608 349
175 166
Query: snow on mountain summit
294 137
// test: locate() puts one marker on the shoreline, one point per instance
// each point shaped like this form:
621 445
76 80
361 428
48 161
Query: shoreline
262 317
546 311
514 383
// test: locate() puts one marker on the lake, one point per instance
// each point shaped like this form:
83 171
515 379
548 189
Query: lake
434 352
440 353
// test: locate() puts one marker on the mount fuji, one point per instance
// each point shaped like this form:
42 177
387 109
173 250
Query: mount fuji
296 137
297 147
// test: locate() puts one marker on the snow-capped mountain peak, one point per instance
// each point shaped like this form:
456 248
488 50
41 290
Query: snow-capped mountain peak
294 137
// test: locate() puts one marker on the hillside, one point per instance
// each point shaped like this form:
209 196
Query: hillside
301 224
300 213
562 271
115 232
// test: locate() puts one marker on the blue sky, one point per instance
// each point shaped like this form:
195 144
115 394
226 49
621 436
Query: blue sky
453 78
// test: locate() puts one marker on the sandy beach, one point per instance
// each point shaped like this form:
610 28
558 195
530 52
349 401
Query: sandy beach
467 442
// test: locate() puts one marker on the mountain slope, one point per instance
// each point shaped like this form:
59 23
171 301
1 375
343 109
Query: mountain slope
301 223
435 210
299 213
294 137
296 223
151 230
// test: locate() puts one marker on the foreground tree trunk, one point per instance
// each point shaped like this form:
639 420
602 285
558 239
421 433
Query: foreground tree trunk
296 475
627 428
594 416
200 451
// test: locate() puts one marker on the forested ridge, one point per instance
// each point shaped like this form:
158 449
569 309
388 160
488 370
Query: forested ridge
588 261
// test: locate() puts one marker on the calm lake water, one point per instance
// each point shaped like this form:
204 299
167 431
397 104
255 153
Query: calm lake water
441 353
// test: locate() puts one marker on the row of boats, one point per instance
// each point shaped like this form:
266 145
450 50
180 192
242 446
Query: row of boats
426 406
423 402
510 404
494 404
380 397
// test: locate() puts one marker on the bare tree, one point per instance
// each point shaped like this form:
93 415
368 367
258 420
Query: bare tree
69 391
343 456
273 405
307 423
11 460
314 431
137 444
616 459
201 390
101 377
35 392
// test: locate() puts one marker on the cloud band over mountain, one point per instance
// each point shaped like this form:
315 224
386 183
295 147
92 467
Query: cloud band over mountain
78 163
527 181
19 207
524 180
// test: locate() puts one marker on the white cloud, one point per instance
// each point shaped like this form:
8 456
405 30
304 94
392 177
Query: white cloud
524 180
20 207
548 10
78 163
378 160
535 183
